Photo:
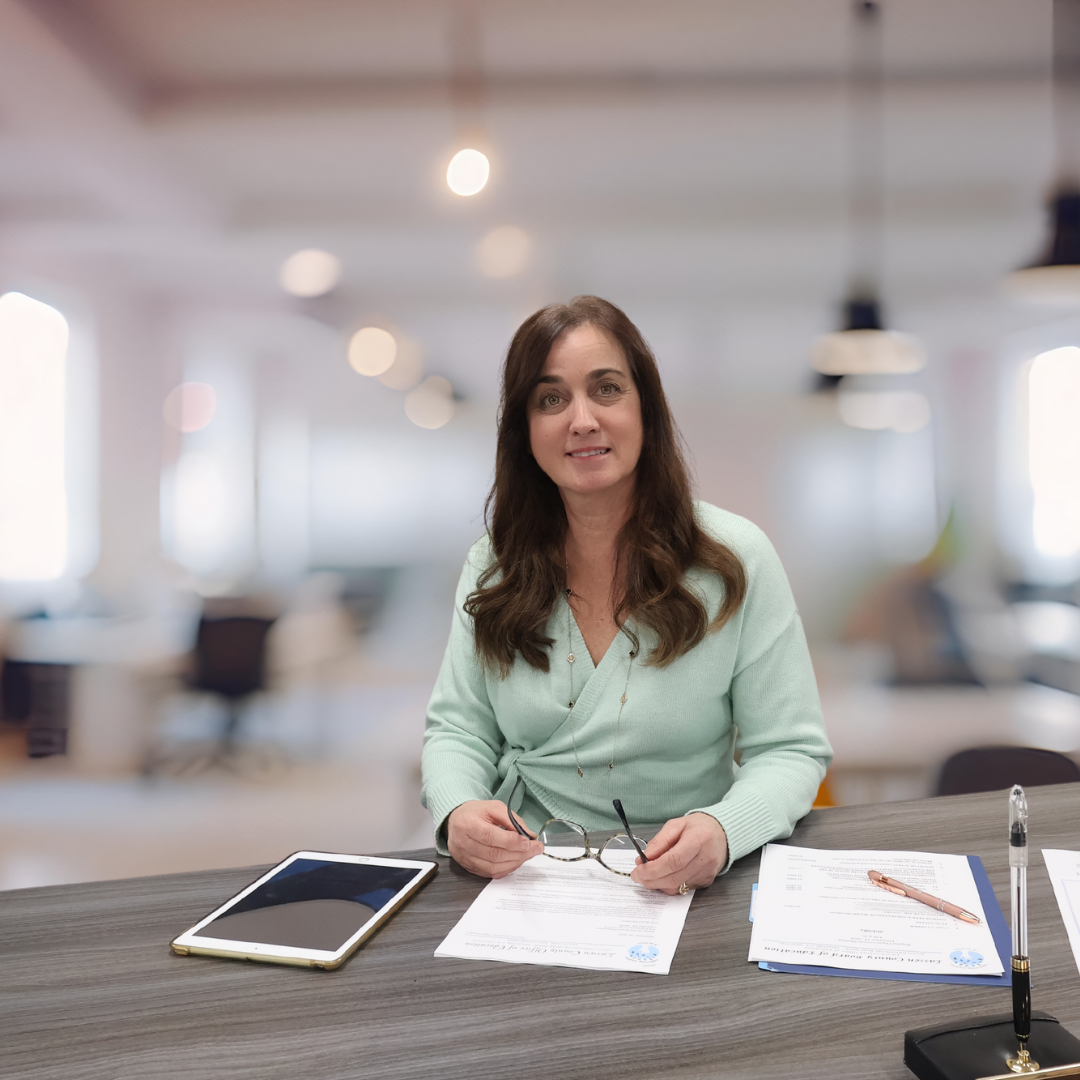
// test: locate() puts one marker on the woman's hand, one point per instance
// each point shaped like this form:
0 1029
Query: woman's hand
689 850
481 837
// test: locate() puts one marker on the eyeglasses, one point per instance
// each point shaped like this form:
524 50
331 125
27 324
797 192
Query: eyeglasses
567 841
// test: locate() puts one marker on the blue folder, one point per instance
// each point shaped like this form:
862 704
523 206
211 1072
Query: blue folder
995 919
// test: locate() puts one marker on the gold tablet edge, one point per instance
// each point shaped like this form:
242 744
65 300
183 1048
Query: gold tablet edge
291 961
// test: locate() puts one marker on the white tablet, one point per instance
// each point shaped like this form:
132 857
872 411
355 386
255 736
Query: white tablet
314 910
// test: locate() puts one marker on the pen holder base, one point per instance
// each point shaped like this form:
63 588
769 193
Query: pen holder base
1022 1063
979 1049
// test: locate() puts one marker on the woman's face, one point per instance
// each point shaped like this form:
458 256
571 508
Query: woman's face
585 426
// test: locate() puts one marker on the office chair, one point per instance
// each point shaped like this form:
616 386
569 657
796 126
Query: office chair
229 661
995 768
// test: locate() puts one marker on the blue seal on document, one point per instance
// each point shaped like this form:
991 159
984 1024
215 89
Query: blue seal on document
643 954
966 958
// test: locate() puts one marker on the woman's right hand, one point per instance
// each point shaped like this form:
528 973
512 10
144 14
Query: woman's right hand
481 837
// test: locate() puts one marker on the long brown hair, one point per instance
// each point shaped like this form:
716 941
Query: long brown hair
526 519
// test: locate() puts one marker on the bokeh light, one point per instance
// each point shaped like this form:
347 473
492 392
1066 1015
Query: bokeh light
407 369
468 172
905 411
431 404
504 252
190 406
311 272
372 350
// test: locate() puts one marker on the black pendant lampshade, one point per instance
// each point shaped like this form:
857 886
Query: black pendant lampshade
862 346
1055 276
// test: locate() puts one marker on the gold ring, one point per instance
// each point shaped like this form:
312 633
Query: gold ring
683 889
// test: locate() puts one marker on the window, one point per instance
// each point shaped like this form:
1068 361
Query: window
33 493
1054 450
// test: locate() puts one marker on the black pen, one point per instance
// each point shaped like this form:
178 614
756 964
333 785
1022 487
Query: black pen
1021 974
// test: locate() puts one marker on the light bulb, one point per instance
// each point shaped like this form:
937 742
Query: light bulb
468 172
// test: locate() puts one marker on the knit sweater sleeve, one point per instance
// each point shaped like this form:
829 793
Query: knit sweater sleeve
781 738
462 740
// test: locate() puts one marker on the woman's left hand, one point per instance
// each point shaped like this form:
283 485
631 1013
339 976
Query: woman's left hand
689 850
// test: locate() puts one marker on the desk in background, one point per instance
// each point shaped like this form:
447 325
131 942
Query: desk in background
119 1005
118 669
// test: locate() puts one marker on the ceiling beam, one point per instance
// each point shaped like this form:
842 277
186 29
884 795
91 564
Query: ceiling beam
162 99
93 146
82 35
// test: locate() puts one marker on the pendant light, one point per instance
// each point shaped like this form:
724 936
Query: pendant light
1054 277
468 170
863 345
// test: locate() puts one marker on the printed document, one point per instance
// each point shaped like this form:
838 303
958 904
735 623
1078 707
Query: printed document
820 908
570 914
1064 870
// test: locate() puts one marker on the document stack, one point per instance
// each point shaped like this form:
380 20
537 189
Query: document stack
822 913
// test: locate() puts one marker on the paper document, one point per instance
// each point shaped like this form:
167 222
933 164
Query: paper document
1064 870
570 914
820 908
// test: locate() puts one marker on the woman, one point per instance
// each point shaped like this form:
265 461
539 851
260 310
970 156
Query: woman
612 638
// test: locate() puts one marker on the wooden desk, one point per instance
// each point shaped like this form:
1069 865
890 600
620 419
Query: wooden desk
119 1005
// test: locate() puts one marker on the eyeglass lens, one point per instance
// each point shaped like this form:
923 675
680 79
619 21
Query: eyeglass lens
620 855
564 840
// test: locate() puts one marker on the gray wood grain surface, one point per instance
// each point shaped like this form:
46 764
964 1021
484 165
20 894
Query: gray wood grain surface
90 989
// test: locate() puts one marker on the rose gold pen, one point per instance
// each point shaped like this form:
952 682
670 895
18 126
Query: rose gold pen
898 887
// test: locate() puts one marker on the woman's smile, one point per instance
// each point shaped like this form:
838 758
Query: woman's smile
585 427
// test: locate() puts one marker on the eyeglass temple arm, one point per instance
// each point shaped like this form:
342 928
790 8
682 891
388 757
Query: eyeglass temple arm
513 819
617 803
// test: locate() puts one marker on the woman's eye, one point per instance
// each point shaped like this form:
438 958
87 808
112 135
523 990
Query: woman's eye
550 400
608 389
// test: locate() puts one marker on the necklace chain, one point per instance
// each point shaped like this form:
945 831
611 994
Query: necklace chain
570 658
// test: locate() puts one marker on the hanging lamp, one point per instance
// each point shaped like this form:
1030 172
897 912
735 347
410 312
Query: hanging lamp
863 345
1054 277
468 170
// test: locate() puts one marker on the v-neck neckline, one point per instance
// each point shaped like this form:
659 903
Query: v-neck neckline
610 657
589 690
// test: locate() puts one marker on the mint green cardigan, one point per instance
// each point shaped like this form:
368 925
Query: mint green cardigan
748 688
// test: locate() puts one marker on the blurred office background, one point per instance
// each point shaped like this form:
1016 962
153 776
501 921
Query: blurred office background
249 350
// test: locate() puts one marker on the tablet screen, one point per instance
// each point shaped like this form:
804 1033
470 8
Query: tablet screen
311 904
